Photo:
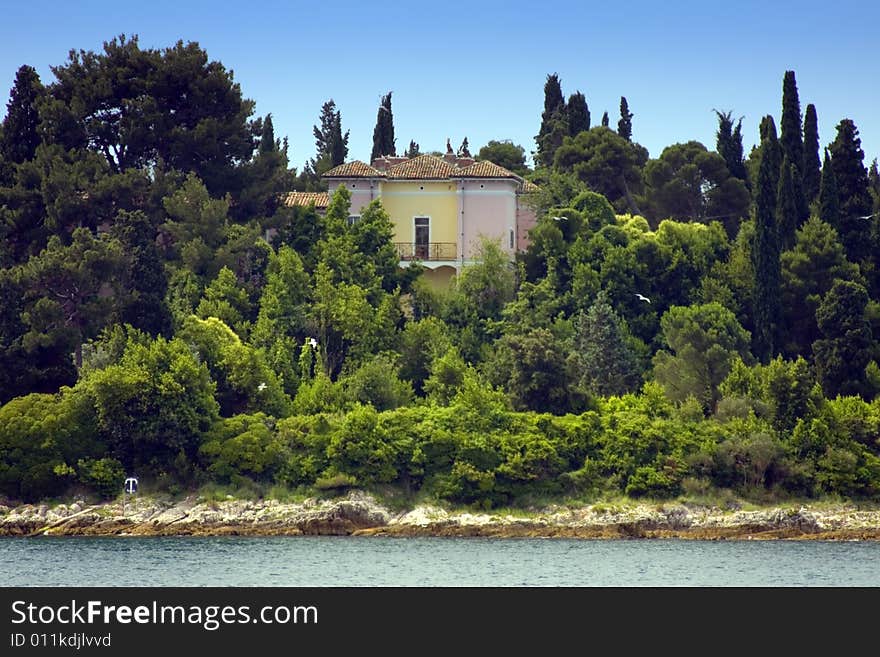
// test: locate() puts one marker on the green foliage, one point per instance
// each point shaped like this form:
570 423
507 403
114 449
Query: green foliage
226 301
153 407
607 163
809 270
383 133
244 381
244 445
505 154
729 145
846 346
624 125
703 342
554 123
377 383
766 248
19 137
812 165
689 183
421 342
578 114
606 361
105 476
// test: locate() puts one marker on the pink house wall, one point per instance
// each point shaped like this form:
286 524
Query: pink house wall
361 194
489 209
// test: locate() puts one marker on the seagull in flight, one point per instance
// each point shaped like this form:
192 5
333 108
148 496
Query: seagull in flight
642 297
261 387
313 343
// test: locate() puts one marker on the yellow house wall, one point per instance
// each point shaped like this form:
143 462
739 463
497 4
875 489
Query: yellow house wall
408 199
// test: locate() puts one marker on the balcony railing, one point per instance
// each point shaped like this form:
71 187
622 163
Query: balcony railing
429 251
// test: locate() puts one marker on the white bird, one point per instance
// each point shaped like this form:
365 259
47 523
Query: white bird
261 387
642 297
869 216
313 343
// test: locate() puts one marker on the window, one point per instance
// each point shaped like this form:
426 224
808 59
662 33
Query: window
353 219
421 237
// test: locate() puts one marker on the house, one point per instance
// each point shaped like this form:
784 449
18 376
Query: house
441 207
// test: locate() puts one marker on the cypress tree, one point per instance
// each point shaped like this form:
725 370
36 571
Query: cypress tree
267 136
413 150
790 137
771 150
383 133
605 119
331 146
811 166
729 144
787 219
554 122
578 114
765 248
852 184
19 135
829 197
624 125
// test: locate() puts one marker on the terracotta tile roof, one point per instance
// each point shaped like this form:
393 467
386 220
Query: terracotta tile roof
354 169
484 169
320 199
529 187
423 167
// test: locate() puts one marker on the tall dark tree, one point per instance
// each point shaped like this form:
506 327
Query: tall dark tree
729 144
413 150
770 150
331 146
578 114
267 136
554 122
811 166
787 219
605 119
624 125
607 363
765 248
19 137
383 133
790 137
139 108
829 195
847 159
846 346
143 275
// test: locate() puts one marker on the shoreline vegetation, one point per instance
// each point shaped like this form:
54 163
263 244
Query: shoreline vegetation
362 514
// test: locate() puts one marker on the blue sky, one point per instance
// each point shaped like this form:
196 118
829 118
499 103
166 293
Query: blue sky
477 69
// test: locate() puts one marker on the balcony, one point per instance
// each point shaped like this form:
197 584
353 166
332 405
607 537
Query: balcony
426 252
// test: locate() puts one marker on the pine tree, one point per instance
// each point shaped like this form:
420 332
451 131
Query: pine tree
463 150
267 136
829 196
605 119
578 114
765 248
554 122
607 364
624 125
729 144
852 184
20 139
383 133
787 218
811 166
413 150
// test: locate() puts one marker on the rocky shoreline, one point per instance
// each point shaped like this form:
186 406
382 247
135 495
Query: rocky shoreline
360 514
